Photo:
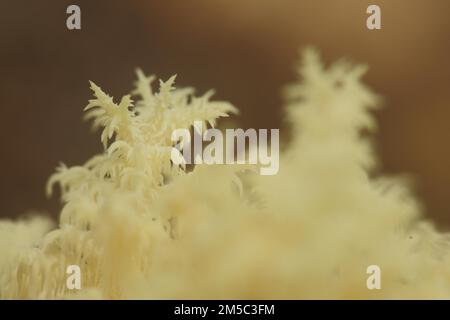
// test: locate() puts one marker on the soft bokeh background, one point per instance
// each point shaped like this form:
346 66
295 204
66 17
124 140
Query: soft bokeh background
245 49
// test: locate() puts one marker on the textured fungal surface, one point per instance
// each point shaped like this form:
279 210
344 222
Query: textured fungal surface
141 227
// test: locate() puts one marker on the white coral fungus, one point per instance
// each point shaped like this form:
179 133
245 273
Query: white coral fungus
140 227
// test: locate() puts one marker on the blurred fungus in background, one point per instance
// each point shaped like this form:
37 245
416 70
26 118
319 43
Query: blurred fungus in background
244 49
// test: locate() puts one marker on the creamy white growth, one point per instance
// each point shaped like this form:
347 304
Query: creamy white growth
140 226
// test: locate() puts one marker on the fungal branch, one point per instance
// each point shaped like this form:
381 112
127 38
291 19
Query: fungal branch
331 107
138 158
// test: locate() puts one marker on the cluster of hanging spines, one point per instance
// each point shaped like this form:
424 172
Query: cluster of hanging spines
137 138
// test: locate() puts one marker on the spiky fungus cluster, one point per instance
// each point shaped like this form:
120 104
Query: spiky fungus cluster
141 227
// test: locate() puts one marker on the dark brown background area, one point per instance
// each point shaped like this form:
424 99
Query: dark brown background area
244 49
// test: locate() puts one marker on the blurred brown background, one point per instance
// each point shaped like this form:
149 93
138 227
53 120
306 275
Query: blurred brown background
245 49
